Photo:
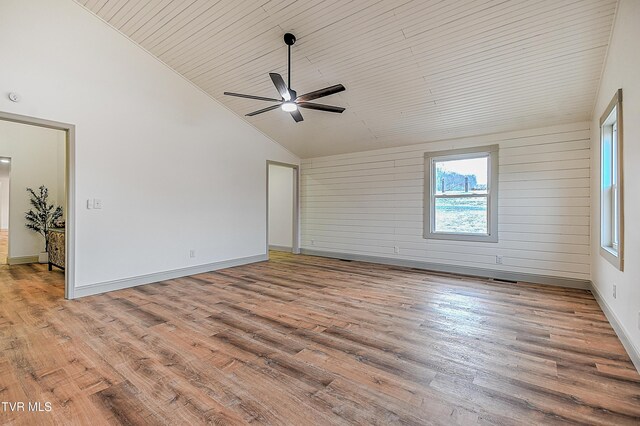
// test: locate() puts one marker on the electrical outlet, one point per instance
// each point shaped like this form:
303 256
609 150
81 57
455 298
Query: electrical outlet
192 253
313 242
615 291
97 203
396 250
498 260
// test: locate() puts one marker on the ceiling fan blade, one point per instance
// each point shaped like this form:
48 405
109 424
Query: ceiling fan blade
321 93
260 111
321 107
258 98
297 116
280 86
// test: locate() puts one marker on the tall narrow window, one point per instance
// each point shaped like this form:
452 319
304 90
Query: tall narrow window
461 194
611 212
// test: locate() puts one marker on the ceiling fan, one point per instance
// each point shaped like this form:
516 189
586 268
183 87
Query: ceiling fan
290 101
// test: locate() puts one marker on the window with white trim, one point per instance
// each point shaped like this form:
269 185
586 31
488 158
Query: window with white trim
611 182
461 194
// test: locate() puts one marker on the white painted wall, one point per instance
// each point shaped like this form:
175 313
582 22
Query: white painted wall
280 206
621 71
4 203
367 203
34 162
174 168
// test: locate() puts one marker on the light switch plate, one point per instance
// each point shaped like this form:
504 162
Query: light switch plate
89 204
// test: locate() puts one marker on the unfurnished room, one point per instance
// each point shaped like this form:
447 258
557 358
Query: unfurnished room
300 212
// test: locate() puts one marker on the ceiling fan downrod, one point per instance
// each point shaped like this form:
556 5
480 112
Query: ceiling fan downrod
289 40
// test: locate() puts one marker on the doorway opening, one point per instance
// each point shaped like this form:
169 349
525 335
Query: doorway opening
36 199
5 176
283 207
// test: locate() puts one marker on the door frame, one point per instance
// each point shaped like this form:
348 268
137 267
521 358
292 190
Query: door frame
295 246
8 210
70 189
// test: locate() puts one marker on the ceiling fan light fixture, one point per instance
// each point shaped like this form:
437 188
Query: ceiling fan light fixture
289 100
289 106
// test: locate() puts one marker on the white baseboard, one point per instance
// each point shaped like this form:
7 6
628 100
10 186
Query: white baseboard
91 289
462 270
280 248
22 260
633 352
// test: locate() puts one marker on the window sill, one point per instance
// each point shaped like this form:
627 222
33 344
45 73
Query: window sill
481 238
612 256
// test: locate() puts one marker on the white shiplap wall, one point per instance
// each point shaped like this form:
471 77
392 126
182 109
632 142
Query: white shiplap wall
366 203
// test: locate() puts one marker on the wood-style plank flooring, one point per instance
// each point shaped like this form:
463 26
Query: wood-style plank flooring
4 246
305 340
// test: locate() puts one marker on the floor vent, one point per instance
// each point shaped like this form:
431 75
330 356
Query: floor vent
500 280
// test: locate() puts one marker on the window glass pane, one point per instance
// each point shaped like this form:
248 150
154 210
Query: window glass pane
608 215
467 176
614 153
462 215
614 216
614 185
606 158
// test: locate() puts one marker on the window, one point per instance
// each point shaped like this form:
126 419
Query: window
611 213
461 194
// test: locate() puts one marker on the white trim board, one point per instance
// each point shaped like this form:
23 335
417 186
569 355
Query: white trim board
22 260
280 248
462 270
632 351
97 288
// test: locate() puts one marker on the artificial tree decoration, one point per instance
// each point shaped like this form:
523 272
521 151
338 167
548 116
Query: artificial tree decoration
43 215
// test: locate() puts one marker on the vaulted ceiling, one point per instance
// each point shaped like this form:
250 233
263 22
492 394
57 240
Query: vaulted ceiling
415 70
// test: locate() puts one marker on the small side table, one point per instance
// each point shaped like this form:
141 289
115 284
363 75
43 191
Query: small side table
56 248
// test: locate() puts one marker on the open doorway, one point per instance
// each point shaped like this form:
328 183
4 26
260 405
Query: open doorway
35 199
282 207
5 176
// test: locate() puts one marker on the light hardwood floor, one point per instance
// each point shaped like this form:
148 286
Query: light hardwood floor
4 247
305 340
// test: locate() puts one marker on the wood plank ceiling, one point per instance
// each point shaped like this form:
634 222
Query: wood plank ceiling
415 70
